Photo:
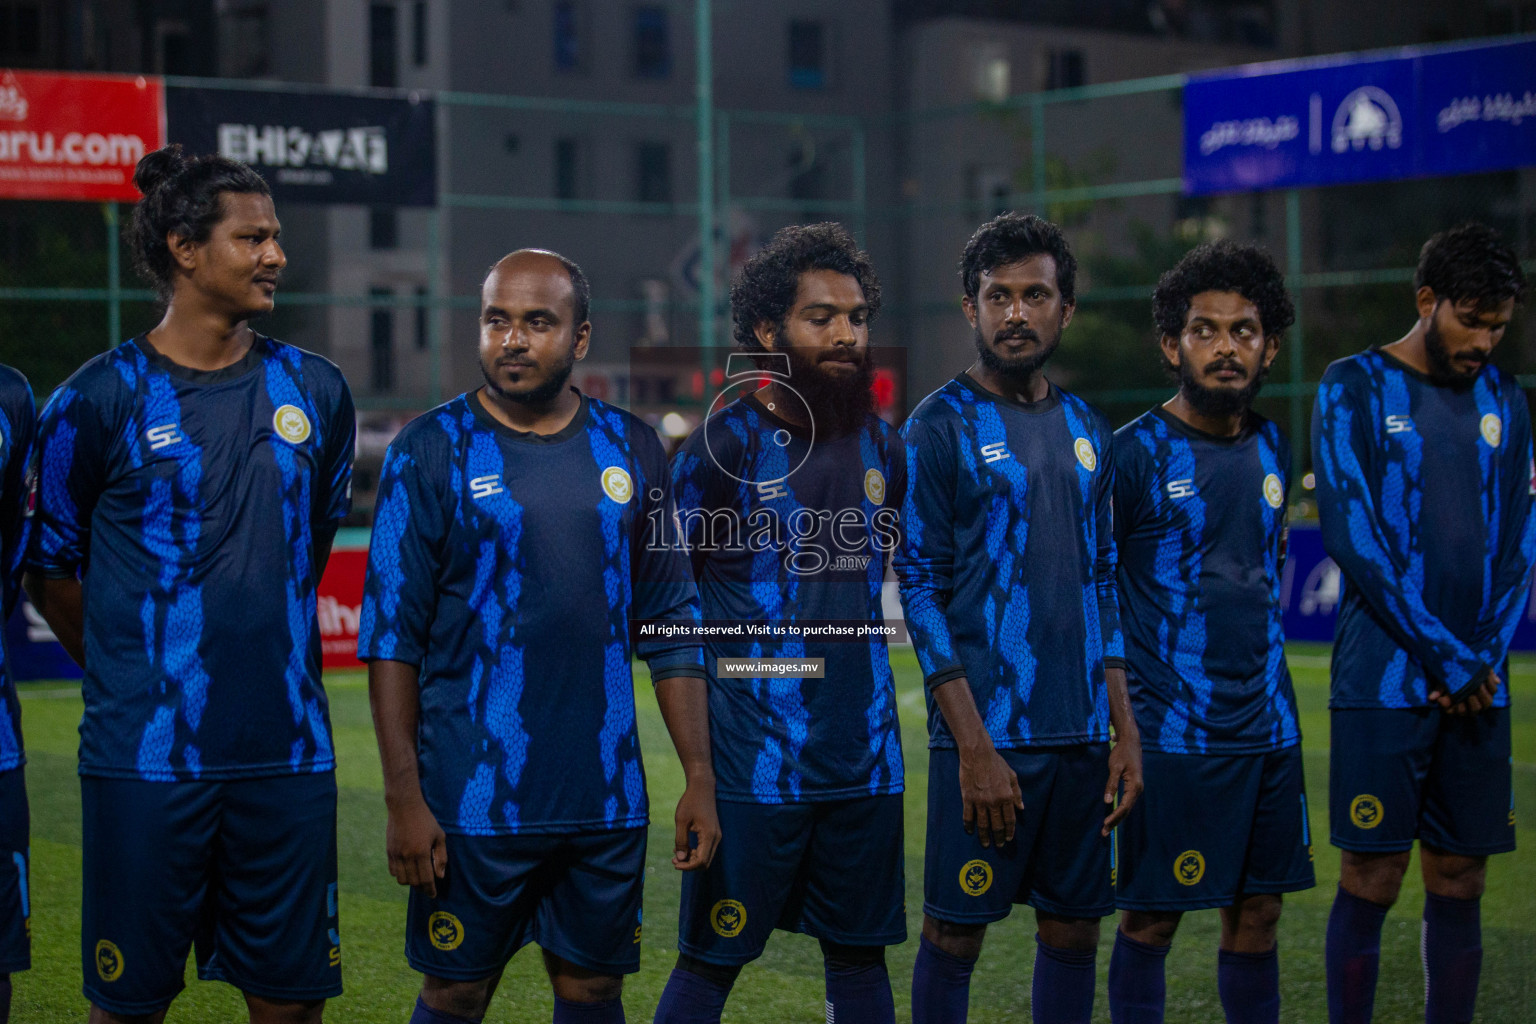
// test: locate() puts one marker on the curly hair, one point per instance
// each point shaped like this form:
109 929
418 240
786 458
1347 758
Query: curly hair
765 287
181 196
1470 262
1223 266
1012 237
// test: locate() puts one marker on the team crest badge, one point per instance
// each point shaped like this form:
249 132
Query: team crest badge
1189 867
445 931
1492 429
1274 493
975 877
728 918
874 487
1083 449
109 961
617 484
291 424
1365 811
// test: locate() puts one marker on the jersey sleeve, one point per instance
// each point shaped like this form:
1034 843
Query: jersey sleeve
1104 575
1354 536
662 578
1130 484
1516 551
925 559
696 490
71 457
15 525
404 560
334 497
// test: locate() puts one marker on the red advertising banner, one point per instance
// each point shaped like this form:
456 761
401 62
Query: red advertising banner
339 602
76 136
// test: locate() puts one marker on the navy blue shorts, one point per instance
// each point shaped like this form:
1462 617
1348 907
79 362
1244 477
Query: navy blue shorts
576 895
245 868
1400 774
1210 827
834 871
1057 861
15 899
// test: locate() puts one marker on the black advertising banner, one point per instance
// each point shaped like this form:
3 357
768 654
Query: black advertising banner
315 147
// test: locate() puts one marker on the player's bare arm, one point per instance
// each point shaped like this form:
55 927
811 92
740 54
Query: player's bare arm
61 603
413 840
988 786
684 705
1125 755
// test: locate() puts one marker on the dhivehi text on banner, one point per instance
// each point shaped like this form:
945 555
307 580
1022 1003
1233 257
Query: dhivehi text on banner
1353 118
315 147
65 136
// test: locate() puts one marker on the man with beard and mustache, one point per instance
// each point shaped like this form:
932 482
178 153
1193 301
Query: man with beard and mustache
509 555
1200 528
789 500
1007 573
1424 478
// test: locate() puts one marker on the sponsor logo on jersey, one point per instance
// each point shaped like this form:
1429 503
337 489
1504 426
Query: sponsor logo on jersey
1397 424
291 424
109 960
617 484
1182 488
995 452
1365 811
163 436
1083 449
445 931
1189 867
485 486
975 877
1274 492
770 490
874 487
728 918
1492 429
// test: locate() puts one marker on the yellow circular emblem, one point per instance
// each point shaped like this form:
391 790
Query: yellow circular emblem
291 424
1492 429
109 961
444 930
617 484
1189 867
1366 811
874 487
1083 449
728 918
1274 493
975 877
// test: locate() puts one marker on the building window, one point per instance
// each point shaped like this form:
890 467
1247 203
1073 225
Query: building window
383 45
567 169
567 36
653 45
807 55
21 29
653 172
419 33
245 42
1065 69
383 227
382 362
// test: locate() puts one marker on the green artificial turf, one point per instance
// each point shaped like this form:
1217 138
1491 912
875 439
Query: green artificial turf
786 984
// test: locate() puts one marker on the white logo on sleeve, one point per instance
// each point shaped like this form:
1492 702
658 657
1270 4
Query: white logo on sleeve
995 452
1181 488
162 436
1398 424
485 486
1492 429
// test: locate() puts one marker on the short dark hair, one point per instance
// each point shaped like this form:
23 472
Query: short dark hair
1470 262
1223 266
1010 238
765 287
182 196
581 288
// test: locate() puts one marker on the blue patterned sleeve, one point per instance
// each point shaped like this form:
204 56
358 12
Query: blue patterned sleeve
925 560
1355 537
335 499
663 579
1104 567
18 431
71 459
1509 505
404 559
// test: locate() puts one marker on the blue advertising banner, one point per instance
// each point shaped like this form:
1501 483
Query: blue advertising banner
315 147
1411 113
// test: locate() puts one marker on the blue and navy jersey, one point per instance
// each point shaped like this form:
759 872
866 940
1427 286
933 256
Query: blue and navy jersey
825 515
1425 497
189 504
18 429
1200 534
506 567
1007 564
